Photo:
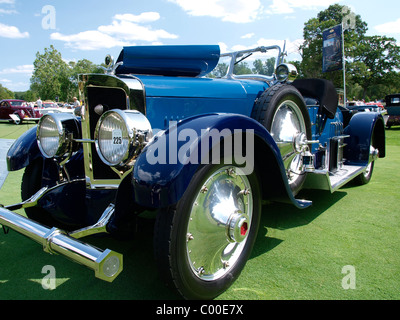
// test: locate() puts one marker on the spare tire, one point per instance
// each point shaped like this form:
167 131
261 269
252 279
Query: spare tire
282 111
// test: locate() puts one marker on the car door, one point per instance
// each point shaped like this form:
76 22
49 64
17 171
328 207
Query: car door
4 110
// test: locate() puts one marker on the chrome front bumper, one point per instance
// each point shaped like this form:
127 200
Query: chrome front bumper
106 264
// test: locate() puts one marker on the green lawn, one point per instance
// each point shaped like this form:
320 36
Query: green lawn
299 254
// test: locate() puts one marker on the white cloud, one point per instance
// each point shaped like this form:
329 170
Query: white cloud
24 69
7 1
88 40
223 47
247 36
289 6
144 17
239 11
291 46
3 11
389 27
129 31
12 32
124 30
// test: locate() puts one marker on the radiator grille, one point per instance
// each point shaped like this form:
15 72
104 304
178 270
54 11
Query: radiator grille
110 98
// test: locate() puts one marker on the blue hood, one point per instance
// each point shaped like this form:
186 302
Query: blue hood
189 61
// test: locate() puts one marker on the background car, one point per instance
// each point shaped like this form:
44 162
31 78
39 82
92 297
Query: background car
393 110
18 111
376 103
53 107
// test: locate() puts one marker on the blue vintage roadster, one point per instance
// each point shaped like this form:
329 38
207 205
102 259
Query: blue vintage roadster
197 137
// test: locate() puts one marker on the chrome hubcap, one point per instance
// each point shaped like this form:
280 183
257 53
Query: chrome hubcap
288 128
219 223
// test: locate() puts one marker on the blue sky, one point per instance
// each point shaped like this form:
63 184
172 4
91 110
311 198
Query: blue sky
91 29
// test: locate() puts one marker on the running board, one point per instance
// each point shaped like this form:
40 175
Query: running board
324 180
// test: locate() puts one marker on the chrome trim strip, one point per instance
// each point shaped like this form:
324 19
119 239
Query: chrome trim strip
84 140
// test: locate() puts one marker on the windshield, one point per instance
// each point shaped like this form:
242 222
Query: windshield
17 103
255 66
259 61
48 105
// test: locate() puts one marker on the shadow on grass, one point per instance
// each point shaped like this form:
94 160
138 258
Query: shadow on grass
394 128
286 216
22 260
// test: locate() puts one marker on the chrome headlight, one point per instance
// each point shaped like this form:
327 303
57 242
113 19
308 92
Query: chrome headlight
121 135
286 72
53 134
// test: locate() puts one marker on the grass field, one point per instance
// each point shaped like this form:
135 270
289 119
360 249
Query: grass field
299 254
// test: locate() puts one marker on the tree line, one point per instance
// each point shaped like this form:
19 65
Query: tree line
53 78
372 63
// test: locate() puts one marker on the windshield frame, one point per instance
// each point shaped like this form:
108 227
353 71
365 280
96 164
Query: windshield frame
239 54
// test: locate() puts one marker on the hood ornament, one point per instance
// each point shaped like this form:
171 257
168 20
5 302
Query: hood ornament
111 66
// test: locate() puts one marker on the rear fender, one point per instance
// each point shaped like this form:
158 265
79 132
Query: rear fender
166 166
365 129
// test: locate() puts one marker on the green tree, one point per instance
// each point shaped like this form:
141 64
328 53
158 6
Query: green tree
50 77
26 95
220 71
6 93
266 68
76 68
242 68
372 62
53 77
392 85
311 49
376 61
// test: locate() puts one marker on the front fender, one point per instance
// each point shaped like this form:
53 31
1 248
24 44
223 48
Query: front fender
365 129
24 151
166 166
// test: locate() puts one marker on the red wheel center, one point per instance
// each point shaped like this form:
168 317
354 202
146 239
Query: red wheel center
243 229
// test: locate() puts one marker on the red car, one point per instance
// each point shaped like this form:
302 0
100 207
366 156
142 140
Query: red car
17 111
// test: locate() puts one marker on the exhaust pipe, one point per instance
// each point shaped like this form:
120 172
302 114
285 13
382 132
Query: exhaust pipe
106 264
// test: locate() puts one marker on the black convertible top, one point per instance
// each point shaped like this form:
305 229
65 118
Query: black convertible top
322 90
